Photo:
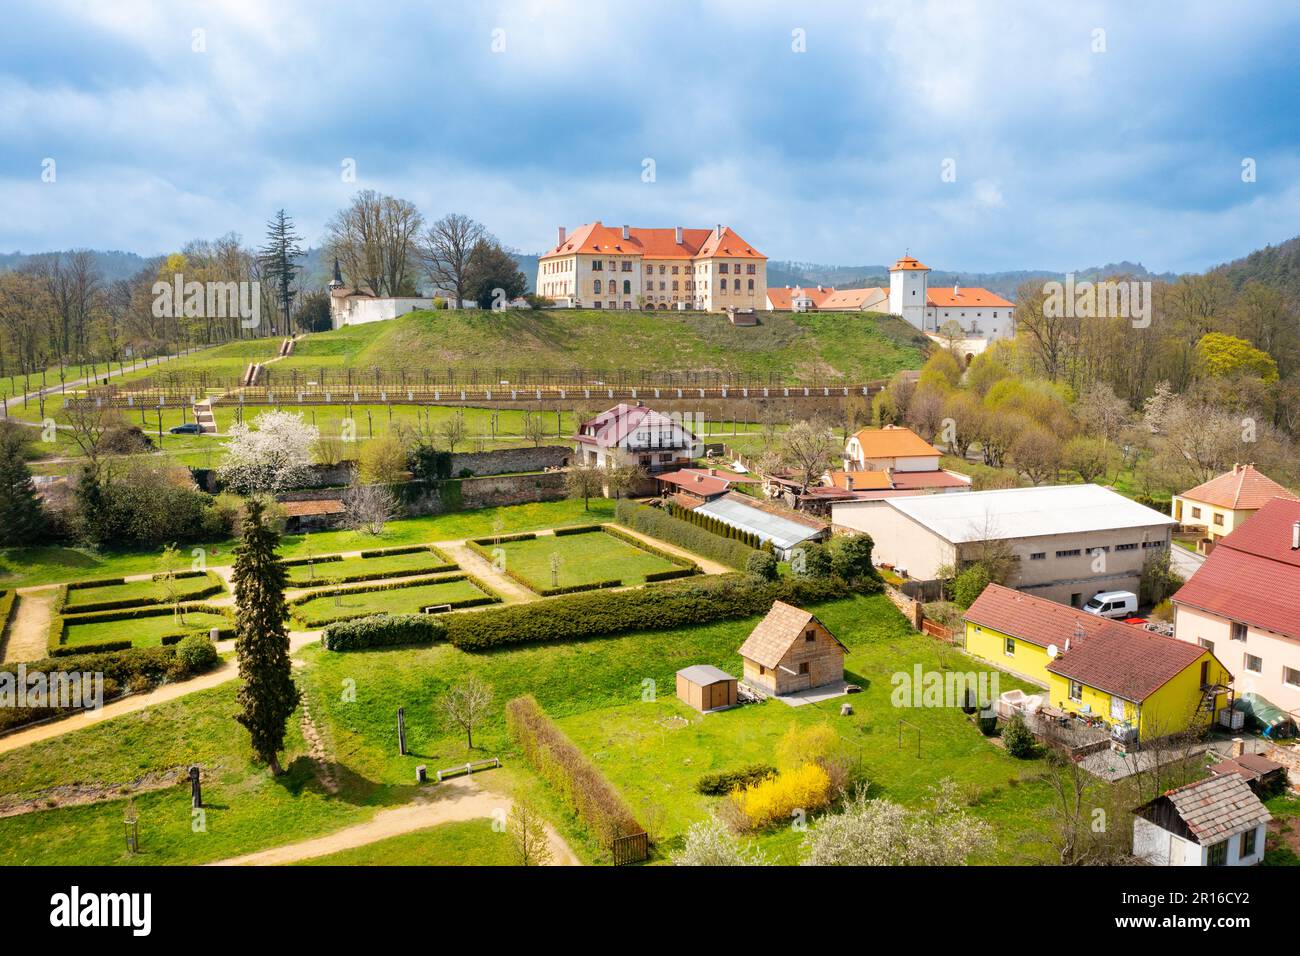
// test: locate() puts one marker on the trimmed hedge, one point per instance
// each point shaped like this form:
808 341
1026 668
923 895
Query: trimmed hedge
214 587
133 669
503 539
383 630
576 588
489 597
713 525
657 523
680 604
671 575
296 562
723 783
375 576
59 622
8 601
578 529
390 586
558 760
101 647
645 546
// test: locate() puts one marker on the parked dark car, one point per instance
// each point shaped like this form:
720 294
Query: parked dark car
189 428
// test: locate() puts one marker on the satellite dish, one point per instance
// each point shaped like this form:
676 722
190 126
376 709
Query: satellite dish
1052 652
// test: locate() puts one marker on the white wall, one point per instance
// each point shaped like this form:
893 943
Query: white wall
1159 847
361 311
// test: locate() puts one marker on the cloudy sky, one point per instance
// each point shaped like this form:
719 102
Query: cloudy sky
981 135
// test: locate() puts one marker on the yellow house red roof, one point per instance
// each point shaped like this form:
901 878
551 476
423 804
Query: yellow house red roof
1242 489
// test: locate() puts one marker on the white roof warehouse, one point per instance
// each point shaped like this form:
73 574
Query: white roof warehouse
1071 541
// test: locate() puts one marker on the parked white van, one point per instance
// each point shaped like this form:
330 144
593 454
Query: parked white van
1113 604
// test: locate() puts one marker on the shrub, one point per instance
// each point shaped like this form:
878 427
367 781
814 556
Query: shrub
1018 739
774 800
813 560
969 584
657 523
578 529
679 604
383 630
722 783
581 785
763 566
852 557
196 652
671 575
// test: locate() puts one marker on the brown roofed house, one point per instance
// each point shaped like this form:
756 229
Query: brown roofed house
790 650
1217 821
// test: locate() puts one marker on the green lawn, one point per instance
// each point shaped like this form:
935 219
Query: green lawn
584 559
390 565
24 567
140 592
142 631
246 808
362 603
467 843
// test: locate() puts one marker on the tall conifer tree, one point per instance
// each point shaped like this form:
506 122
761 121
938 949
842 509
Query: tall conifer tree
267 695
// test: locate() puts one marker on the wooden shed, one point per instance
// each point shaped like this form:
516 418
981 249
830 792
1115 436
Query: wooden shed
790 650
706 688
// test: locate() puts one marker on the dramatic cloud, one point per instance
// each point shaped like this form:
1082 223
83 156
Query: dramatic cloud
979 135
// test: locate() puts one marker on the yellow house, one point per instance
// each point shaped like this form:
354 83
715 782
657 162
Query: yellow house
1096 667
1220 505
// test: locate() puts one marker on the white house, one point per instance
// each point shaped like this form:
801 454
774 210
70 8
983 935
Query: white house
980 313
1217 821
636 435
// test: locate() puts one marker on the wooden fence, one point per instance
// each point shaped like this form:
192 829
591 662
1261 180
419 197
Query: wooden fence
632 848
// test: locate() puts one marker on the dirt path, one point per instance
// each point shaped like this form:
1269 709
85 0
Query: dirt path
512 591
453 801
226 671
29 633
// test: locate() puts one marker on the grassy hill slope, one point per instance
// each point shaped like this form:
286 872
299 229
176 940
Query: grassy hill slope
802 348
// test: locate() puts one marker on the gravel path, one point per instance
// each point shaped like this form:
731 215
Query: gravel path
29 631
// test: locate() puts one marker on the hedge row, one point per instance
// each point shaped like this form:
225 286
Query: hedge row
59 622
376 575
214 587
404 549
636 542
671 575
504 538
100 647
296 562
110 582
383 630
578 529
558 761
315 622
713 525
680 604
8 601
657 523
374 588
577 588
132 670
724 782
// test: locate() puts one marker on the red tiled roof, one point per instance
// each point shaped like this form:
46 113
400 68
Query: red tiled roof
595 238
613 425
1253 575
1107 655
1217 808
1243 488
782 299
1247 766
974 298
908 264
705 481
907 480
301 509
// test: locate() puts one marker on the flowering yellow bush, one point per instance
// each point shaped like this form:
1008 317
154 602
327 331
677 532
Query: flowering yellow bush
775 799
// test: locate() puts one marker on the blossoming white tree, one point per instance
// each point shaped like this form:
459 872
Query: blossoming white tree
271 454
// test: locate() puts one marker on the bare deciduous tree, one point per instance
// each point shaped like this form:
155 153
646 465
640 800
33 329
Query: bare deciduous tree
445 250
808 447
369 508
466 705
585 482
528 835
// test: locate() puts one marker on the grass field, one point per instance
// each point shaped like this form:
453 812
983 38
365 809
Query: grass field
142 631
388 565
467 843
139 592
584 559
403 600
24 567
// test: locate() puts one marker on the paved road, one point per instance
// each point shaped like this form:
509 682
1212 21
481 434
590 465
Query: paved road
1185 563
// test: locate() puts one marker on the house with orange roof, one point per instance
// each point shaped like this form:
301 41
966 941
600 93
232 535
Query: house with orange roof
633 267
1220 505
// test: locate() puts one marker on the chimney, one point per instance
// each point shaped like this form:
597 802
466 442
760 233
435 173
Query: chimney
1238 746
1295 536
626 234
719 230
819 289
956 290
560 240
848 481
678 235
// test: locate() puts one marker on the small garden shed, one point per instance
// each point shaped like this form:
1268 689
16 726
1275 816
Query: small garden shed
706 688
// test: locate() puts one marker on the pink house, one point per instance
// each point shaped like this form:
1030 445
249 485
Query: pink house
1244 605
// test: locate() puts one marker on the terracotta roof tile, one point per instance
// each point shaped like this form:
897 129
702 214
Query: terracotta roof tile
973 297
1243 488
595 238
894 441
1217 808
